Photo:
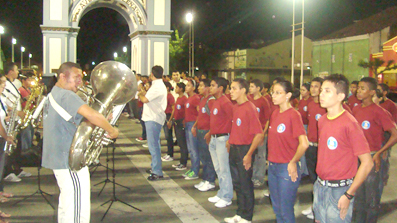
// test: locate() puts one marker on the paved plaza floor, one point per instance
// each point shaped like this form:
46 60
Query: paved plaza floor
173 199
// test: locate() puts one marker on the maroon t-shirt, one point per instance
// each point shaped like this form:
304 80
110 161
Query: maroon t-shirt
391 107
170 103
374 120
221 116
353 101
347 108
245 124
302 108
191 108
341 141
263 108
314 112
203 119
179 112
283 137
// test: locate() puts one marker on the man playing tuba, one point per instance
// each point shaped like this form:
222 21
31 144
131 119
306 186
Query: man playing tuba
62 115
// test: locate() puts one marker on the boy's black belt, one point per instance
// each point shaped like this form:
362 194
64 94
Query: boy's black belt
335 183
219 135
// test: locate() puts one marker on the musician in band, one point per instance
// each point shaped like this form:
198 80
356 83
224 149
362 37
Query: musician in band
13 171
74 198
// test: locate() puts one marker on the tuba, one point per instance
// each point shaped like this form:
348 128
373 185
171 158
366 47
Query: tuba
113 83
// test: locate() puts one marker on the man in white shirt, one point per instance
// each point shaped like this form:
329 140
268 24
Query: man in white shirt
155 103
176 78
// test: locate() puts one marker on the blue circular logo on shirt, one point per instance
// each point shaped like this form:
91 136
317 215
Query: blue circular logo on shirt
332 143
258 109
187 105
238 122
281 128
365 125
318 116
178 107
215 111
305 108
203 110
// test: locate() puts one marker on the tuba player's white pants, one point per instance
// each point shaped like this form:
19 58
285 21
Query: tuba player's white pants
75 195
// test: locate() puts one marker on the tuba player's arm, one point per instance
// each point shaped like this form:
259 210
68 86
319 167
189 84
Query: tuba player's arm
98 119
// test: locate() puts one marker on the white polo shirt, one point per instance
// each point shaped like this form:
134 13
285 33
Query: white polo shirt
14 95
154 110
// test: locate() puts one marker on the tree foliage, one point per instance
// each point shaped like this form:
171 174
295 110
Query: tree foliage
376 63
179 54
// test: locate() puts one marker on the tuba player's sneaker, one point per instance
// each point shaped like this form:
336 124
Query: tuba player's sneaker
12 178
235 218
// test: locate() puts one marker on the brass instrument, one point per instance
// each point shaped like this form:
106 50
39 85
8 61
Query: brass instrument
12 129
30 106
113 83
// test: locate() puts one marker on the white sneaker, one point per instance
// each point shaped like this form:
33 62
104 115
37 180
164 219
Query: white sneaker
145 145
307 211
222 203
12 178
167 158
206 187
266 193
244 221
233 219
310 216
199 184
214 199
24 174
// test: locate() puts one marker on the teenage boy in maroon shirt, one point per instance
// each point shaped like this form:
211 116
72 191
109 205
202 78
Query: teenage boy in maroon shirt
374 120
263 108
353 101
245 136
341 141
220 126
199 129
386 103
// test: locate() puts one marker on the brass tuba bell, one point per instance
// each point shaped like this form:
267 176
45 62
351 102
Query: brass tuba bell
113 83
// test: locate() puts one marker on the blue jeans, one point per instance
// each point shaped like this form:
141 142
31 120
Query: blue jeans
282 191
153 139
191 143
259 167
325 204
205 157
220 159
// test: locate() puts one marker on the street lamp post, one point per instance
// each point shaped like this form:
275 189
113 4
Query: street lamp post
14 41
189 19
22 50
30 57
293 41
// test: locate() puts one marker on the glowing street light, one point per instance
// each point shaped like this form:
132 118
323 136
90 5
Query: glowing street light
30 57
22 50
14 41
125 49
189 19
93 63
115 55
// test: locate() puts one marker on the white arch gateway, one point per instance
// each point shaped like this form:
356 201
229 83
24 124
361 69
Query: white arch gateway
148 22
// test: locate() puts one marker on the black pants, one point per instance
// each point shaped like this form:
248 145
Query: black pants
168 137
242 182
181 137
311 162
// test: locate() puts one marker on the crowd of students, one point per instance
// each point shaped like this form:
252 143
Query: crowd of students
238 131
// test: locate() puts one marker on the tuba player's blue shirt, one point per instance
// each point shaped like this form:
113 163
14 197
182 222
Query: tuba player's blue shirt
59 133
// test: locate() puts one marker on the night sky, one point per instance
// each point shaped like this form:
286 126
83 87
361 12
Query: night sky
222 24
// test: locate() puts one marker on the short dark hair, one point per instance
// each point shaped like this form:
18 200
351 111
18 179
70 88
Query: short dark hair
318 79
242 84
206 82
371 82
168 85
9 67
266 85
139 75
288 87
378 93
181 85
221 82
278 79
355 82
257 83
157 72
145 76
384 87
341 83
306 85
66 67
